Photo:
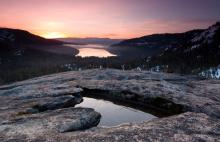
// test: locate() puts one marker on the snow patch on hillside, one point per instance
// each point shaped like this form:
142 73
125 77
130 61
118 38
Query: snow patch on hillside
194 47
19 52
6 35
213 73
207 35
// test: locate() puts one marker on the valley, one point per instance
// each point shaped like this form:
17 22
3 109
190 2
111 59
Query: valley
24 55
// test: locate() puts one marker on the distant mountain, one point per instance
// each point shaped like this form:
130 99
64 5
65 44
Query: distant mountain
23 55
21 37
189 52
14 42
103 41
198 53
152 44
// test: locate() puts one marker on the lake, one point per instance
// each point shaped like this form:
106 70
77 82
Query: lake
92 50
113 114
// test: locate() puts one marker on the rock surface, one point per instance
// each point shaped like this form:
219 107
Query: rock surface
52 122
42 109
186 127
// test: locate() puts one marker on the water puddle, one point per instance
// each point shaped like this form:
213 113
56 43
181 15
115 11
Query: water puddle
114 114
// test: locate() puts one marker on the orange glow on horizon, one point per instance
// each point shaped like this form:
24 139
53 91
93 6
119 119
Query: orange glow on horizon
51 35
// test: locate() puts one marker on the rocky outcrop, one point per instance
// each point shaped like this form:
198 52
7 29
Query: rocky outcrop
42 109
187 127
56 103
52 122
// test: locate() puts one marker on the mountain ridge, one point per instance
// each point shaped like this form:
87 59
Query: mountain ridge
18 36
189 52
90 40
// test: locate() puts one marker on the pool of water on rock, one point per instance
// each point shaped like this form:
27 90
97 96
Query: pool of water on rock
114 114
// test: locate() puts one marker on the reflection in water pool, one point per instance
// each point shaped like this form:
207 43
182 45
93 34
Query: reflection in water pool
113 114
88 52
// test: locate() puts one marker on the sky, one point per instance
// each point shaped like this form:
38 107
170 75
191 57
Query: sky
107 18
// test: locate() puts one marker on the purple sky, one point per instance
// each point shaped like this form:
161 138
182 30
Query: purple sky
107 18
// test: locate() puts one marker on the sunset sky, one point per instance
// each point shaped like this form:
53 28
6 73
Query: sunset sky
107 18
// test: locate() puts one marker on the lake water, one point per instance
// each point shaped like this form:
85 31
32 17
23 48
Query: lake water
113 114
92 50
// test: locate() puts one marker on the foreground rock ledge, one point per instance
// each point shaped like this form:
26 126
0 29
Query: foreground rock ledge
185 127
42 109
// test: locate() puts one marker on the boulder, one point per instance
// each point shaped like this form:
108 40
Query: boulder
54 122
56 103
187 127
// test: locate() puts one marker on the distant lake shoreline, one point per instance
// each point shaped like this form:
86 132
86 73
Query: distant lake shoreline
92 50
